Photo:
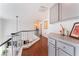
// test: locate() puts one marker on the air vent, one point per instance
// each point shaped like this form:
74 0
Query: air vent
43 8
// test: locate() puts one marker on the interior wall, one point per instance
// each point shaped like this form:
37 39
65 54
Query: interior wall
55 28
9 27
0 30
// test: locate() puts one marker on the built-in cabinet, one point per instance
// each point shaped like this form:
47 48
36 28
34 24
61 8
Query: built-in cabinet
64 11
57 48
54 14
51 49
62 45
62 53
69 10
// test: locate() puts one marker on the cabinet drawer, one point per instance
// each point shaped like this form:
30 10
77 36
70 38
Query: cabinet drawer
66 47
51 41
51 49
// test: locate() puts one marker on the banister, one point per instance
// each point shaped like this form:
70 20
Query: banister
23 31
16 33
5 41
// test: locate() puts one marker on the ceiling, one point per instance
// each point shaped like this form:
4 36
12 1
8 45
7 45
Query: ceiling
9 11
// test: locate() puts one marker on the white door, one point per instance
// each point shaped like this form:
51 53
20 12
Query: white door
51 49
62 53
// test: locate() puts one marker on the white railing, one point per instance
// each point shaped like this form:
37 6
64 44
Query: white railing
12 47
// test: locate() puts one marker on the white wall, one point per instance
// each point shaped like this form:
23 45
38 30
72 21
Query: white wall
55 28
9 27
0 30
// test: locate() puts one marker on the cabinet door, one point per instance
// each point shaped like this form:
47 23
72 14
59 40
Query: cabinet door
75 9
51 49
69 10
62 53
54 14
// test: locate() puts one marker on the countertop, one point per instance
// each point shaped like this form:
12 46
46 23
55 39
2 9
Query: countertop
66 39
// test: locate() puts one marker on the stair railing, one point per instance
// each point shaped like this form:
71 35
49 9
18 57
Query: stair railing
12 46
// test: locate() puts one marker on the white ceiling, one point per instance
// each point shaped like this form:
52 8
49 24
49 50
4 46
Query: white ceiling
28 10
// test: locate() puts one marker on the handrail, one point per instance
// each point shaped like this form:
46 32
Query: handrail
23 31
5 41
14 34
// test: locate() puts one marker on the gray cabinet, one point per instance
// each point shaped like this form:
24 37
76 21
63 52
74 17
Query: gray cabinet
69 11
64 11
62 53
54 14
65 47
51 49
58 48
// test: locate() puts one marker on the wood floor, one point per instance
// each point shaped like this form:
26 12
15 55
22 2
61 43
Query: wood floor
40 48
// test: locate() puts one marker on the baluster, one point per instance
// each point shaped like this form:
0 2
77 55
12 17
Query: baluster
27 35
12 44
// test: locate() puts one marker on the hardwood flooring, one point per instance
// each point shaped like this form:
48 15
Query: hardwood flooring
40 48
